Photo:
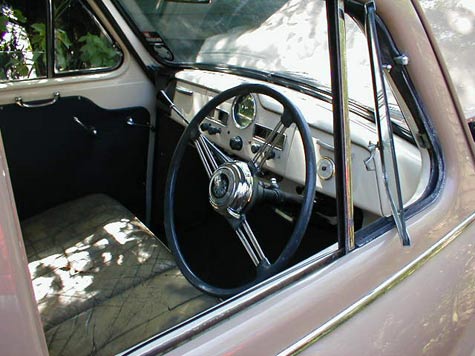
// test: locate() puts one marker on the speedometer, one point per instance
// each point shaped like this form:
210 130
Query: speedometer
244 111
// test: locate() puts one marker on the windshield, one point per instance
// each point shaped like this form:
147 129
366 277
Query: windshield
288 37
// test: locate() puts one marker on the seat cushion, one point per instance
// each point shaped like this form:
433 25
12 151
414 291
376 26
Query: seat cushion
102 279
129 317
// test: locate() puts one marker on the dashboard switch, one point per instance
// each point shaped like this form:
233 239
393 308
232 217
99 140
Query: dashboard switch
213 130
236 143
207 127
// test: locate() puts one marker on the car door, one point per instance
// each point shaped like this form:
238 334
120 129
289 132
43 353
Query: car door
76 110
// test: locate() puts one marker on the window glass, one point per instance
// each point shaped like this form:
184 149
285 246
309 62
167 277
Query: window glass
22 42
284 37
80 41
453 24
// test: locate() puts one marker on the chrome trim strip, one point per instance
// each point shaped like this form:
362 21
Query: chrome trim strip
184 91
201 322
391 282
325 145
268 133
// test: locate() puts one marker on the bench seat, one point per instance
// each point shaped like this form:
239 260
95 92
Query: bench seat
103 282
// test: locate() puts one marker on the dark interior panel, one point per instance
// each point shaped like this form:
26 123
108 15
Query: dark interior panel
168 134
54 156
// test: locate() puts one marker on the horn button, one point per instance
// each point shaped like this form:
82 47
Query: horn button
230 189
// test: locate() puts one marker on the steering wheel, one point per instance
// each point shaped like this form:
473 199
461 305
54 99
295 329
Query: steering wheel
234 187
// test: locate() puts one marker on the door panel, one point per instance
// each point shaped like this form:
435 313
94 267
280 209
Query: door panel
53 158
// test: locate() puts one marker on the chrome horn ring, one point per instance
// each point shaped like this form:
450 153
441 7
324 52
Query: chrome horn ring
231 189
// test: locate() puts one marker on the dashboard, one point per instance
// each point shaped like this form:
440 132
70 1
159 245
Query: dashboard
241 125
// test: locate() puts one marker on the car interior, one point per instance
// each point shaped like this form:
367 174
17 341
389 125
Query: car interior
124 220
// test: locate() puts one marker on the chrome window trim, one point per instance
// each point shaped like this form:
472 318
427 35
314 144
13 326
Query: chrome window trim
381 289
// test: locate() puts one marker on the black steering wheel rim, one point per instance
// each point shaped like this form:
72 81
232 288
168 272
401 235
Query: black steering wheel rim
192 132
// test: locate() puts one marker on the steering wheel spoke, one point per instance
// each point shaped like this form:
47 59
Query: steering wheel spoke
265 150
219 154
211 156
250 243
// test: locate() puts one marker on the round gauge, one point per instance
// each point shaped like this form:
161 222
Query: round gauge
244 111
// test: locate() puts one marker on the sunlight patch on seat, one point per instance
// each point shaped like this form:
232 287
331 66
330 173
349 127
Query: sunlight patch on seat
52 262
43 286
120 231
143 256
120 260
77 283
80 246
102 243
80 261
106 257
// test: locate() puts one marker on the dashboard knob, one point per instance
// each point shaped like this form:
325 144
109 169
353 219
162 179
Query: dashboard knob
325 168
255 147
205 126
271 155
236 143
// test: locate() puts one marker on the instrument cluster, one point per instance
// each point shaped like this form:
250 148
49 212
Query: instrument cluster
239 121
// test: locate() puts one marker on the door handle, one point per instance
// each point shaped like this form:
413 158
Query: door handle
131 122
90 129
19 101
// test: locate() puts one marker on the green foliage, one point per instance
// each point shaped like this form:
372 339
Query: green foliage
38 42
62 46
19 16
14 47
3 25
97 51
23 46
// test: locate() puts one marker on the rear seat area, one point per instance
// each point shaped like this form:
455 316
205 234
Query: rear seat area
103 282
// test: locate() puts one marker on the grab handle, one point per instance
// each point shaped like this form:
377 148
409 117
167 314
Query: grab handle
19 101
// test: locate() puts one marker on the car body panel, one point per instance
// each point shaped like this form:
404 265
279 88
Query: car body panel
20 329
